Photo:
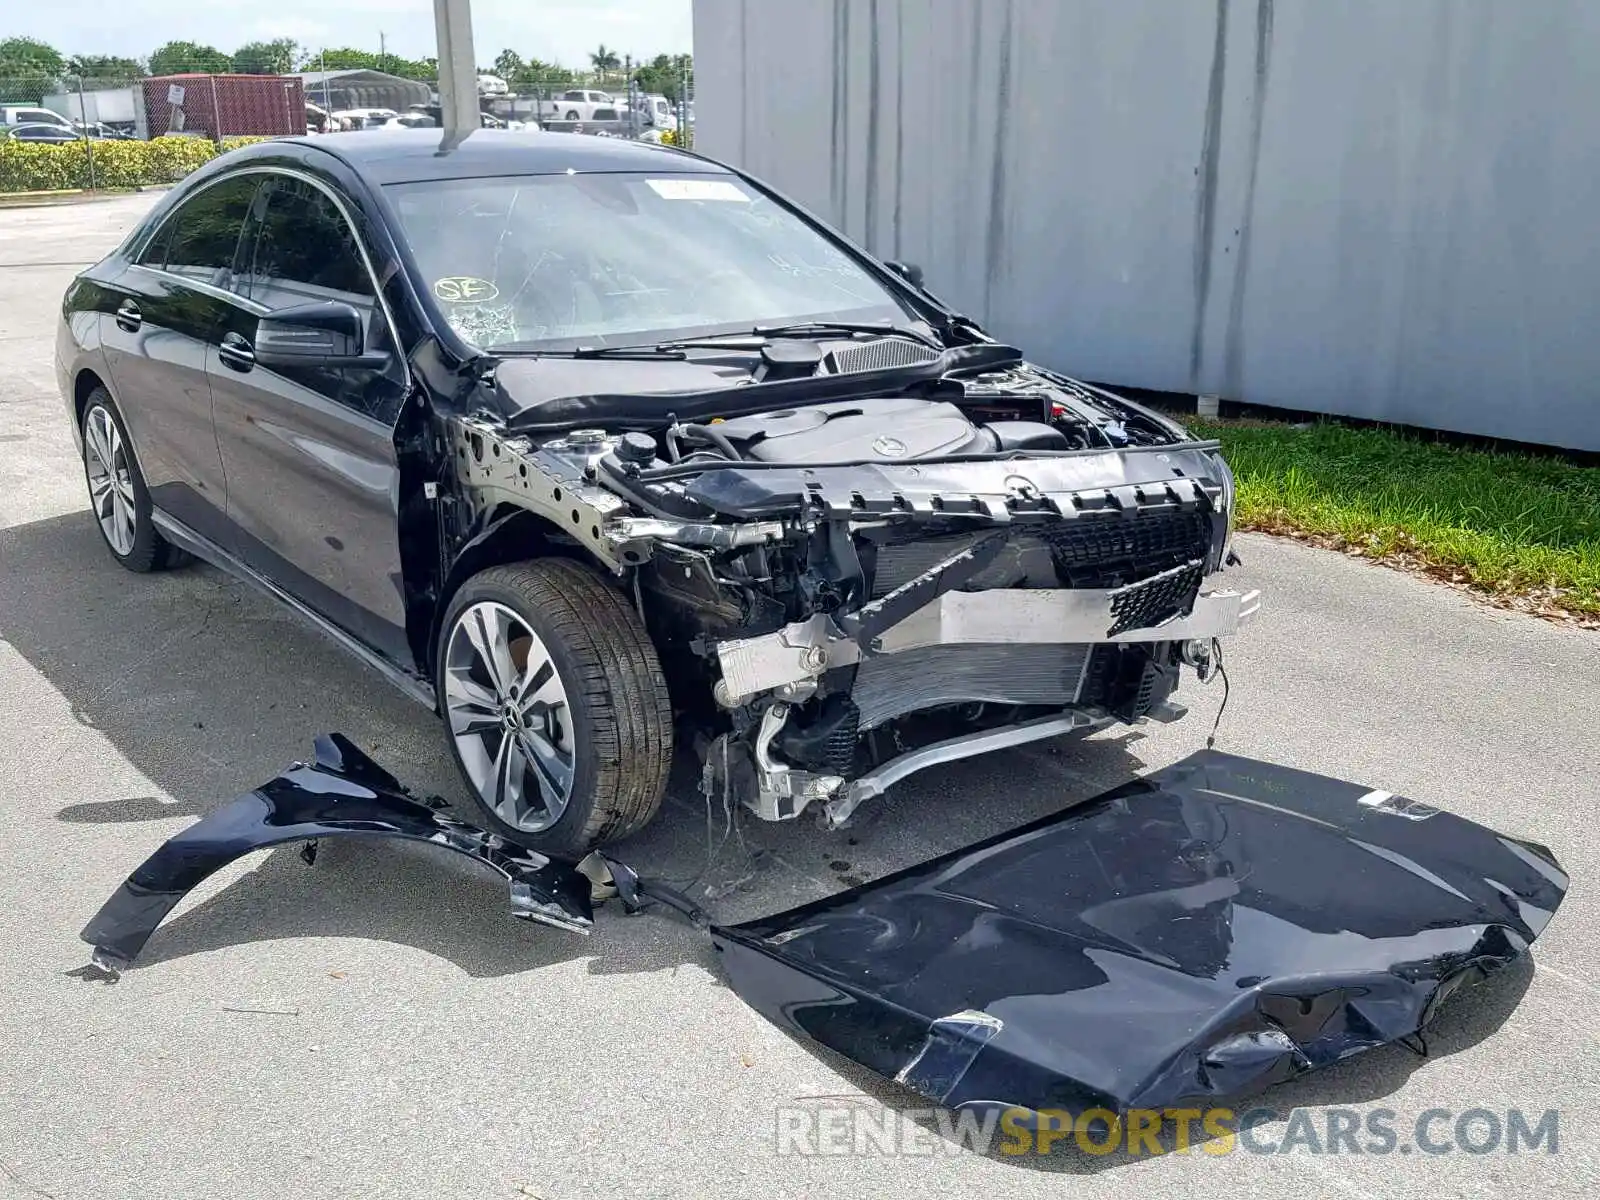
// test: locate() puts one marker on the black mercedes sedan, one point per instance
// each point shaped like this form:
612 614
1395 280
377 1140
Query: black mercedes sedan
600 448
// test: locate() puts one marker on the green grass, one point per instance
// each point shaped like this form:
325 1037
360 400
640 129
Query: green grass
1517 525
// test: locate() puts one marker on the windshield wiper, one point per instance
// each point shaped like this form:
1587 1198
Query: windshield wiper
804 329
742 339
666 350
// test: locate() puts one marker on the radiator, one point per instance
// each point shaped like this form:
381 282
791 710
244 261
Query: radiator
891 685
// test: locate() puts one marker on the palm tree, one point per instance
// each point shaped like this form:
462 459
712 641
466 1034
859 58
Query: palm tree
604 59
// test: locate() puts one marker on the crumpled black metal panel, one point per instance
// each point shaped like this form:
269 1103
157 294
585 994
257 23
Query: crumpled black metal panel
342 793
1205 931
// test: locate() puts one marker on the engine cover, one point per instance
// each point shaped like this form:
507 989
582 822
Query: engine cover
887 429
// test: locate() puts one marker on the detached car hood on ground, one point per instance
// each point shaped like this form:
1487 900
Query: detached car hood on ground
1208 930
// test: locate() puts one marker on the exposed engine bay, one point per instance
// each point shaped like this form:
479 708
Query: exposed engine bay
862 558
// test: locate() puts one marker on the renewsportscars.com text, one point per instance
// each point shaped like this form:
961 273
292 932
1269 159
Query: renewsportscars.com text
846 1126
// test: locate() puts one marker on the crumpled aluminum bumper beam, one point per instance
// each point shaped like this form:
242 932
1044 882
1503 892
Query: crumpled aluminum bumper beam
801 652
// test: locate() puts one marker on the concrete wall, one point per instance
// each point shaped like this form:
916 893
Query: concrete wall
1375 208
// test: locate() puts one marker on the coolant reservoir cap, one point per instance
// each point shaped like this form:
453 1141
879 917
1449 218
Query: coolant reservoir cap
637 448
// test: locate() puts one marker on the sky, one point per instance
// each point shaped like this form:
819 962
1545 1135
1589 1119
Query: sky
562 31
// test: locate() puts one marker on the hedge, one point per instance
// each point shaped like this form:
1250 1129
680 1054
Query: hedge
42 166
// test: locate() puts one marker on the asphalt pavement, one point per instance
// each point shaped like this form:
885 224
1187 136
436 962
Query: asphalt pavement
377 1025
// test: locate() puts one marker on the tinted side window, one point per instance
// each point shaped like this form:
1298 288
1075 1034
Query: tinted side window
199 240
305 242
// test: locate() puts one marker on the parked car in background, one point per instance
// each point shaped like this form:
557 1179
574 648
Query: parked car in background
431 116
580 104
363 118
492 85
31 115
43 133
99 129
655 112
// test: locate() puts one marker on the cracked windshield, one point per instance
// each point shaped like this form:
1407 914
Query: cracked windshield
549 262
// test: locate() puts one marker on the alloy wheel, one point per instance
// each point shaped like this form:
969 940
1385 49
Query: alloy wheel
110 481
509 716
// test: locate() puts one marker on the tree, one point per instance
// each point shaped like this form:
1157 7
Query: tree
347 58
265 58
20 55
179 58
537 76
663 73
108 67
508 65
604 59
29 68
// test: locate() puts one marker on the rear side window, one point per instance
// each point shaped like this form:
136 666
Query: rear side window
305 242
199 239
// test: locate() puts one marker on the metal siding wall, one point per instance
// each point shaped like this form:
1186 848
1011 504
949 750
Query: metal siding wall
1374 209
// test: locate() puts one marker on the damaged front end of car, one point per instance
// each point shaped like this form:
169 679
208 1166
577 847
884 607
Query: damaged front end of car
867 558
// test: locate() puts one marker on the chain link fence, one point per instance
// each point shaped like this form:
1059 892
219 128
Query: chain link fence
650 102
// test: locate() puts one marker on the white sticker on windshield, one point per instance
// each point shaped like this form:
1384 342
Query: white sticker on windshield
697 189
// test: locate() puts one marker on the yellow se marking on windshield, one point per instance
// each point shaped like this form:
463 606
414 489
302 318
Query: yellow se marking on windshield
464 289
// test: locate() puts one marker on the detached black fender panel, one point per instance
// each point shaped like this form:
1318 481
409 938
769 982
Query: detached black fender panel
341 793
1206 931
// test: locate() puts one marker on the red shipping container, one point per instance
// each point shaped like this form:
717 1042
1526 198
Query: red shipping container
225 105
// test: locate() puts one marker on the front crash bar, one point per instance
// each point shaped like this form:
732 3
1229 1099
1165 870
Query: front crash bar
1006 616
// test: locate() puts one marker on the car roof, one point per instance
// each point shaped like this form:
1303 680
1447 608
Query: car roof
383 156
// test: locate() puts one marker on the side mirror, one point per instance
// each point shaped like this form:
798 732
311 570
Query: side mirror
323 333
910 272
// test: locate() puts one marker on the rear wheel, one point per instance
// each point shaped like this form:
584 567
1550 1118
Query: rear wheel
555 705
117 493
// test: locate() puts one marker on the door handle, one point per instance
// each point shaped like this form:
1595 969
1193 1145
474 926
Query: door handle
129 317
236 352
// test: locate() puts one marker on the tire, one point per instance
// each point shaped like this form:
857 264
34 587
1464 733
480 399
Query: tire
608 739
119 501
573 115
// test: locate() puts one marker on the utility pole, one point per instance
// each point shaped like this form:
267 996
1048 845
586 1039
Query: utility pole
383 52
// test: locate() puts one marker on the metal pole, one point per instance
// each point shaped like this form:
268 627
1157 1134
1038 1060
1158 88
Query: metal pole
216 112
458 68
83 124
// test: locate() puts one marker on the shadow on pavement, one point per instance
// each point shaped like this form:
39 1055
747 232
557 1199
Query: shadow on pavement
208 690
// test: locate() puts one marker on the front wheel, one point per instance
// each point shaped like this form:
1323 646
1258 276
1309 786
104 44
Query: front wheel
555 705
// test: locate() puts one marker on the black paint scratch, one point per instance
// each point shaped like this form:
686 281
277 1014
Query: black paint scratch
1233 362
1206 195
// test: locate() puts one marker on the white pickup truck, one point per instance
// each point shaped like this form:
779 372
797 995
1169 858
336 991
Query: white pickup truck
580 104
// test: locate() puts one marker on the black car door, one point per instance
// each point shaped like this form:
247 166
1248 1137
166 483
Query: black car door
165 307
313 483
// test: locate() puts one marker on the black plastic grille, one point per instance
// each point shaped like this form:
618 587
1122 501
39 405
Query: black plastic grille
879 355
1155 600
1113 550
